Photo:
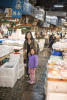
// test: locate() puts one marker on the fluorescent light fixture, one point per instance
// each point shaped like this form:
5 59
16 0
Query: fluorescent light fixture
51 17
58 6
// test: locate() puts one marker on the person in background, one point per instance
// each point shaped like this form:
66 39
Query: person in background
33 63
52 39
60 35
57 37
28 43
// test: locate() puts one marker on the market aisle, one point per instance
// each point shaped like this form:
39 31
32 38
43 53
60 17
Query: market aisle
22 90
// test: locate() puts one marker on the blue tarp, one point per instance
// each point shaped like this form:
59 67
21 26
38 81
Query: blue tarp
56 53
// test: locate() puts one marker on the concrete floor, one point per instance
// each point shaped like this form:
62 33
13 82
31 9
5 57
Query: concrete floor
22 90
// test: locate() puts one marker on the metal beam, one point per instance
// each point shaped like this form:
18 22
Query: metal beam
56 13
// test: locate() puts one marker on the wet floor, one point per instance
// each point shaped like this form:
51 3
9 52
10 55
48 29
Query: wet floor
22 90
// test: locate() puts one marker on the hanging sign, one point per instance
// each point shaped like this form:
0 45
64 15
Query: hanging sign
26 8
8 12
17 8
16 13
38 13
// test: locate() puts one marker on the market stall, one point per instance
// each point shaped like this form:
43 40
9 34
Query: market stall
57 72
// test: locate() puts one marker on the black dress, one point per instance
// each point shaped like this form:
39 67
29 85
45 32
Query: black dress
28 51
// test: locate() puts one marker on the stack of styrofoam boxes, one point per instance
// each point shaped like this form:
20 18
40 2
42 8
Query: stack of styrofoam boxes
12 70
57 90
13 42
21 65
20 70
8 72
41 43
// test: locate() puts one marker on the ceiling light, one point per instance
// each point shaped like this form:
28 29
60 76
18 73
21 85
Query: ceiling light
51 17
58 6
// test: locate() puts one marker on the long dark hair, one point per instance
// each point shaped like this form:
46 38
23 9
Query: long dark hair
30 34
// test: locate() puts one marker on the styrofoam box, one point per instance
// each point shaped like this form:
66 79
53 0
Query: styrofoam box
21 61
8 76
6 69
11 71
56 86
18 57
56 96
14 57
20 73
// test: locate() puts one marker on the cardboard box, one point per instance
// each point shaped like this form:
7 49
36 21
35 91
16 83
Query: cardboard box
56 96
57 86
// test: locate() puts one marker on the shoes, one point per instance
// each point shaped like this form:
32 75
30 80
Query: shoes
31 82
28 81
26 76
